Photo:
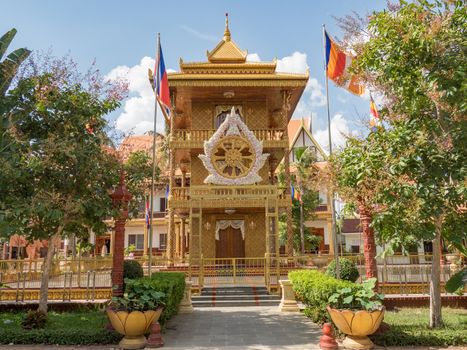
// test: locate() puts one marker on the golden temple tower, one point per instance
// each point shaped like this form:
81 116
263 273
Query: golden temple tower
228 134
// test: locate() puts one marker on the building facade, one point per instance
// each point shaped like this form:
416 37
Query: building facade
228 133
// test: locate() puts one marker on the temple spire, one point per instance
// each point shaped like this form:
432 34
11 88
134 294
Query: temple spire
226 31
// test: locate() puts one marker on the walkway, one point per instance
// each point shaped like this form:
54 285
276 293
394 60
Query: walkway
261 328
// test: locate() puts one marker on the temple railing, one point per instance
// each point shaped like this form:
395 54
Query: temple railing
183 138
90 278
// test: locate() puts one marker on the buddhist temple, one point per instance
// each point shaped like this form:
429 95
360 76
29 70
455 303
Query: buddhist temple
228 134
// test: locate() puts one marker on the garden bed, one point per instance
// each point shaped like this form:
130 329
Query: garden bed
409 326
68 328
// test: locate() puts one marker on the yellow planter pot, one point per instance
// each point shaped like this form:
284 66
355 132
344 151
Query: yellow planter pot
133 325
357 325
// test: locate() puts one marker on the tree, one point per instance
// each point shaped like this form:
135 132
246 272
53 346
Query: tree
414 54
62 158
305 207
357 172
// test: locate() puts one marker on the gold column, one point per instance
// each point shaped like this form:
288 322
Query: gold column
112 242
285 110
171 233
182 228
177 239
330 240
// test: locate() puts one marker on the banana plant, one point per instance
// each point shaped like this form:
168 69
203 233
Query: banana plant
8 69
9 66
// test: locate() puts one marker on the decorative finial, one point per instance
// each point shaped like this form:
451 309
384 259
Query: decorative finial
226 31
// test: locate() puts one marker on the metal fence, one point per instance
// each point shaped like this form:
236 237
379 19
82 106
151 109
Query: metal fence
90 278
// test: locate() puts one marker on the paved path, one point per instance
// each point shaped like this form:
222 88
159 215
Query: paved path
259 328
232 328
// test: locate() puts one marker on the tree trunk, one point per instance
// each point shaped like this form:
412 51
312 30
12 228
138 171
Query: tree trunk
369 246
436 320
44 291
73 246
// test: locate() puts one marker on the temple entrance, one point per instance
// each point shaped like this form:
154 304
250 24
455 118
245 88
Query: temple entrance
230 244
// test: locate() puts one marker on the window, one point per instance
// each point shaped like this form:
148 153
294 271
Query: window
163 240
219 119
137 241
163 204
355 249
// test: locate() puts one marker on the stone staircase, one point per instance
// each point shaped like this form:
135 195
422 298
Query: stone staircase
235 297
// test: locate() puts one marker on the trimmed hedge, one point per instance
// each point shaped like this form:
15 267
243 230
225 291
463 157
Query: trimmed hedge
347 270
172 284
314 288
59 336
132 269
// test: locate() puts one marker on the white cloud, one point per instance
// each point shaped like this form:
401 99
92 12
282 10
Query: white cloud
138 110
296 63
340 129
253 57
198 34
316 94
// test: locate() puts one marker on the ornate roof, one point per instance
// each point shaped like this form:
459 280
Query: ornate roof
227 50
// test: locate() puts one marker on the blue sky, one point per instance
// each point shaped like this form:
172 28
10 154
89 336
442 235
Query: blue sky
120 34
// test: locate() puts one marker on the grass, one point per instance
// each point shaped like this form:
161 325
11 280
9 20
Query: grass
409 326
67 328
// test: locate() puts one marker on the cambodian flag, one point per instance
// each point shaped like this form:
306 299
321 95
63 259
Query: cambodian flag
161 83
147 211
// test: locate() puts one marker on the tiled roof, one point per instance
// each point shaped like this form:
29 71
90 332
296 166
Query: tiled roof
294 126
351 226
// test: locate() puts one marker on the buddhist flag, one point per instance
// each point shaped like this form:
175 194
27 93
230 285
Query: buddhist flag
337 67
161 83
374 115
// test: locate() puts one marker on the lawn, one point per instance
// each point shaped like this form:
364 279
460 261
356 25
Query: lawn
67 328
410 327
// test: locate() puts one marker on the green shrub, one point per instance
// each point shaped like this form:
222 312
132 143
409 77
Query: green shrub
347 269
409 327
132 269
63 328
172 284
59 336
314 288
34 319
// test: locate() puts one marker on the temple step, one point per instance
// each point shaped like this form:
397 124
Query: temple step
235 297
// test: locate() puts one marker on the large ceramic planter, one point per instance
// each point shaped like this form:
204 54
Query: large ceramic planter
357 325
133 325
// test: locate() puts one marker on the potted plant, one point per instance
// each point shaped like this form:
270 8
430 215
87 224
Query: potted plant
133 314
357 312
129 251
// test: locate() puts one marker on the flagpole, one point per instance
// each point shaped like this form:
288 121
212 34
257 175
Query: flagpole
151 214
333 212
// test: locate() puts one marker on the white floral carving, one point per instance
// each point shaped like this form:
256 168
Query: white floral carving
233 125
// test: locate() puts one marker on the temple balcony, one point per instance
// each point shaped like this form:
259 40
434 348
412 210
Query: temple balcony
246 196
182 138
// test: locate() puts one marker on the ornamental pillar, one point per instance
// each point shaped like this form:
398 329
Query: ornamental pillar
182 228
120 198
171 234
287 95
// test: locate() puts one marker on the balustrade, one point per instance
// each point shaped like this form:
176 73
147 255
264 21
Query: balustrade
191 138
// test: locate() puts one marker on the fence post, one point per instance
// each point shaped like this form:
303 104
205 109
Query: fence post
288 302
186 306
234 269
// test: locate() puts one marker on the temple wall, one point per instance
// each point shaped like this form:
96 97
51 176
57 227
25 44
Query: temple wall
255 241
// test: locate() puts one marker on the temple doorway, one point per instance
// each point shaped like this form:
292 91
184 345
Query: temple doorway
230 244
